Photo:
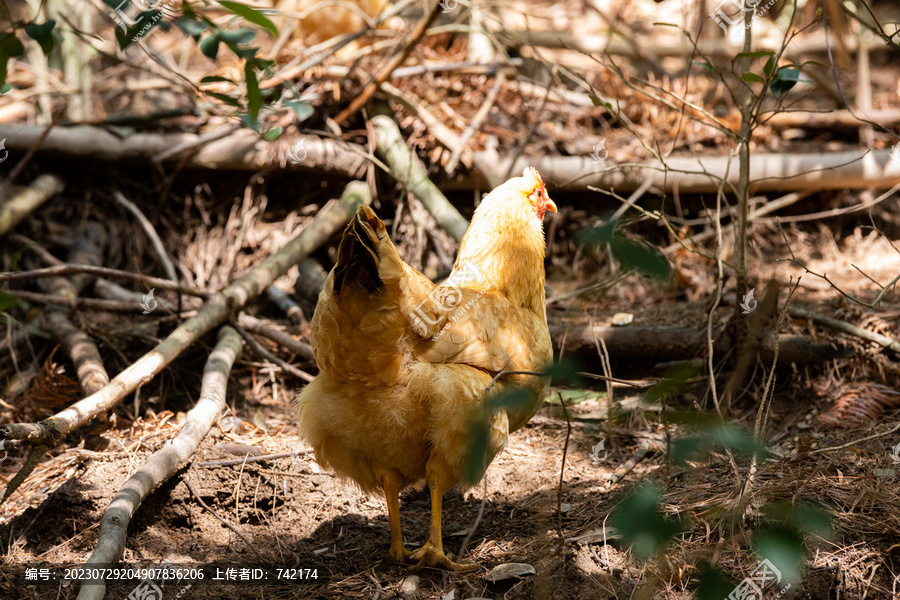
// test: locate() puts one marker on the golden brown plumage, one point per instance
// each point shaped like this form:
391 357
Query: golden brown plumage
403 362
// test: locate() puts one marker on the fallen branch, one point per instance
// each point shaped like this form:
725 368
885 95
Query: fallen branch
882 340
855 169
311 279
66 301
68 269
216 310
246 151
279 337
19 206
663 344
284 302
404 167
164 463
82 351
243 150
618 46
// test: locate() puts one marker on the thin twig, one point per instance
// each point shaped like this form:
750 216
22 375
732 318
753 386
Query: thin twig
285 366
237 531
155 241
395 61
854 442
562 469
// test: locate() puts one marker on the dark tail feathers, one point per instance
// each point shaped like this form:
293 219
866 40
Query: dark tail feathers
358 252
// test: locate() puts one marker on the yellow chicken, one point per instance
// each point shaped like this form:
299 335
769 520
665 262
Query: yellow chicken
405 364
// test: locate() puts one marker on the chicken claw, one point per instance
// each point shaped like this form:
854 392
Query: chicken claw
431 556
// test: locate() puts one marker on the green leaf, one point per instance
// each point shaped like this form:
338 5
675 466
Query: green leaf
254 97
706 65
148 18
642 524
754 54
7 302
784 549
513 399
602 234
42 34
785 78
273 134
719 435
475 461
752 78
5 88
770 65
564 372
192 27
598 101
804 517
216 79
251 14
209 45
9 46
671 383
302 109
713 584
222 98
645 259
237 36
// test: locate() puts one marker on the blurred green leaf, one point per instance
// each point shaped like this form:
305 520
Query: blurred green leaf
601 234
672 383
803 516
785 78
42 34
770 64
706 65
273 134
7 302
727 435
254 97
9 46
512 399
148 18
713 584
475 461
192 27
642 524
209 45
752 78
251 14
565 372
784 549
645 259
216 79
223 98
302 109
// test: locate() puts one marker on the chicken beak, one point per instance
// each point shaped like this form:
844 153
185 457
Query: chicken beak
551 205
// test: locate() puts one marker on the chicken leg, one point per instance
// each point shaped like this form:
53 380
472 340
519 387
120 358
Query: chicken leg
432 553
392 483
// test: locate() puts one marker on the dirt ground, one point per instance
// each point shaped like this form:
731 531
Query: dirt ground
300 517
287 516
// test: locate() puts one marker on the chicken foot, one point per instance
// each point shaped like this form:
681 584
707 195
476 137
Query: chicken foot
432 553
